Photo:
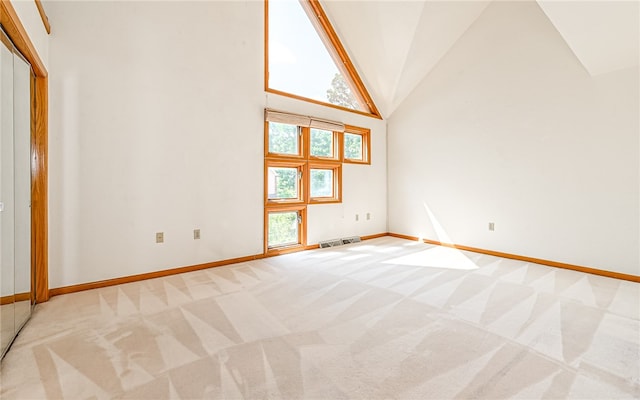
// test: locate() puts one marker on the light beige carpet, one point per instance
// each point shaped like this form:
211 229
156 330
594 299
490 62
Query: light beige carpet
382 319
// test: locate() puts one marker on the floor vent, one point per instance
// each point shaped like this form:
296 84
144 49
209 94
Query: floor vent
352 239
339 242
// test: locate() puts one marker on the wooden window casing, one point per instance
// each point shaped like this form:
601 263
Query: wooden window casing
306 164
365 134
329 37
336 195
302 229
301 169
301 150
336 148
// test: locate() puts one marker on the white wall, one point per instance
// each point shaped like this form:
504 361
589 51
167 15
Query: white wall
509 128
156 124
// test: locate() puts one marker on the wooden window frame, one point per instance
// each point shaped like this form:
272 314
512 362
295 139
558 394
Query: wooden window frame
336 167
366 145
305 162
302 229
337 147
329 37
302 187
301 145
43 16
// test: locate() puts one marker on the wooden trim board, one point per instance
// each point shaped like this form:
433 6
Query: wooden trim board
43 16
308 100
588 270
149 275
15 298
158 274
174 271
376 236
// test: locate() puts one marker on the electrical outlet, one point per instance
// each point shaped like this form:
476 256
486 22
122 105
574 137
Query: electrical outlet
492 226
196 234
159 237
357 217
368 216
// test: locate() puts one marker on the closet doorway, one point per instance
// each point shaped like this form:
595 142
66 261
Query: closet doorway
16 274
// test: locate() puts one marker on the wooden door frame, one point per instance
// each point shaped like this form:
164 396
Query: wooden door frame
39 149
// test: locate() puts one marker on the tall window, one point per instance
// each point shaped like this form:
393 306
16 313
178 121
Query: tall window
305 58
303 166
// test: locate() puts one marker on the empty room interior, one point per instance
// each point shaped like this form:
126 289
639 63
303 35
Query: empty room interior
320 199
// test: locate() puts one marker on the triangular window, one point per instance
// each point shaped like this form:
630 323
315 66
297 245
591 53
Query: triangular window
305 58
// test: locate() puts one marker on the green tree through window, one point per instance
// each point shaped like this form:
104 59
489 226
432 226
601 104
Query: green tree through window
340 94
303 167
306 60
284 183
283 138
321 143
352 146
283 228
321 183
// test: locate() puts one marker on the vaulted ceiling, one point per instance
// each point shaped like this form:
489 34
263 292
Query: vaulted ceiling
395 44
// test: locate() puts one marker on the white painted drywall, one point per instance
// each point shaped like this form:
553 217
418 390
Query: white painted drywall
156 124
509 128
32 22
604 35
396 43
